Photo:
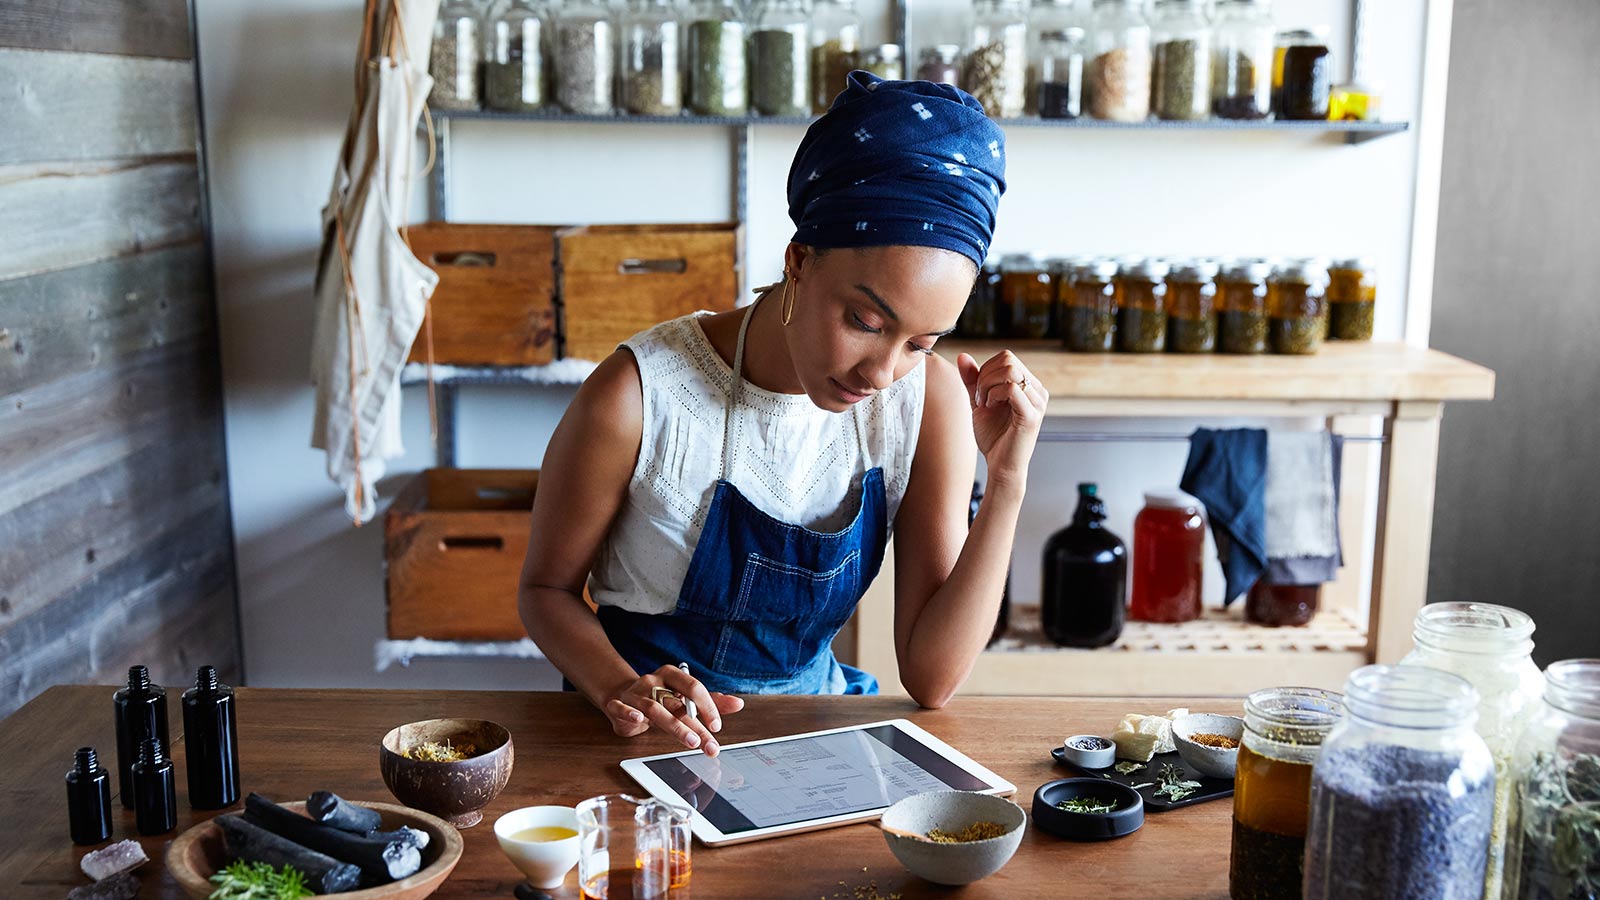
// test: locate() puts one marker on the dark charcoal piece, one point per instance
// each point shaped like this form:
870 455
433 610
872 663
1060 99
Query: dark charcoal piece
252 843
405 834
331 809
381 861
121 886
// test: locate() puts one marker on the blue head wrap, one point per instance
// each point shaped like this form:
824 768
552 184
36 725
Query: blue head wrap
897 163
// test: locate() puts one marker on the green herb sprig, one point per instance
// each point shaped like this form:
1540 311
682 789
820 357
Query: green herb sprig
241 880
1087 805
1174 783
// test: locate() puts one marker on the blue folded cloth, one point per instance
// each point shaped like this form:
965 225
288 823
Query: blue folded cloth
1227 471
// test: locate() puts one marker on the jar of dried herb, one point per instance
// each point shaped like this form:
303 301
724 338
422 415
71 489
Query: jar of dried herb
886 62
997 57
1091 308
1242 307
1182 60
940 63
1191 307
1352 296
1302 74
979 318
1297 313
1142 306
1554 848
1027 289
652 59
835 49
585 58
1118 81
513 74
780 51
456 57
719 75
1241 59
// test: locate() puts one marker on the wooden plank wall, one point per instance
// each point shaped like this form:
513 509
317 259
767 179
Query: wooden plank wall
115 538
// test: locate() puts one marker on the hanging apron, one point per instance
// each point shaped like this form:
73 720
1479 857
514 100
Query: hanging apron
763 598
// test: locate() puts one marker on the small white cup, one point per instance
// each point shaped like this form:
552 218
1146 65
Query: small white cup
546 863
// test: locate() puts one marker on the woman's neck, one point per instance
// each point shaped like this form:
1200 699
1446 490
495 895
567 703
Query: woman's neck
767 363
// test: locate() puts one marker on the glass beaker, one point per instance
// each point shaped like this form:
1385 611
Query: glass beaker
632 849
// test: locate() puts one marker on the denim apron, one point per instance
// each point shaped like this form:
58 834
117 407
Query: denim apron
763 598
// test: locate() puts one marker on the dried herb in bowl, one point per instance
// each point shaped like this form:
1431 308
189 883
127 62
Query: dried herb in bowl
436 751
1088 805
977 831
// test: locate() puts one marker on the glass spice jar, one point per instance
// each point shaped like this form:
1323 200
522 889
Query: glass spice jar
719 74
1047 18
1554 847
1278 605
1028 291
835 48
978 317
585 63
940 63
780 52
1352 296
513 75
1060 73
1241 61
885 62
455 56
652 59
1297 308
1242 307
1060 269
1142 307
1182 60
996 68
1118 80
1302 74
1191 307
1283 733
1491 647
1090 309
1168 538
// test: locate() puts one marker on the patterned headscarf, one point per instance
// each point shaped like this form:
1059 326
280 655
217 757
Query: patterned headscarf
896 163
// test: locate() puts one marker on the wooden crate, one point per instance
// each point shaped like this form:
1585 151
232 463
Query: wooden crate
617 280
495 303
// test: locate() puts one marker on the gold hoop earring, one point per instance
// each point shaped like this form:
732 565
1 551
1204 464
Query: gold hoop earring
788 297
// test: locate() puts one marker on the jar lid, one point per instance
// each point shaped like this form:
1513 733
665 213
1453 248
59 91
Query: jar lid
1072 34
1193 270
1254 270
1315 33
1170 498
1146 269
1018 260
889 51
1302 271
1355 263
1059 263
1103 268
942 52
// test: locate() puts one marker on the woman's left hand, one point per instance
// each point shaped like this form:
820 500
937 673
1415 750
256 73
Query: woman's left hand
1008 405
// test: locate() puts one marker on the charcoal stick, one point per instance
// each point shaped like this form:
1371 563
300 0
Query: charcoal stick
252 843
331 809
381 861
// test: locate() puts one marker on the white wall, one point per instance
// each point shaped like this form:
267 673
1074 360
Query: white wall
277 88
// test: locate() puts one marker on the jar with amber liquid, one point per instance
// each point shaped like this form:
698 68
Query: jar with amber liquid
1191 307
1242 307
1168 540
1283 733
1090 308
1297 312
1142 307
1352 296
1276 605
979 317
1027 289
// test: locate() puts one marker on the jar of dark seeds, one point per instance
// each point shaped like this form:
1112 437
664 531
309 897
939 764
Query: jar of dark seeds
1090 309
513 74
1554 850
456 56
1352 296
886 62
719 75
1118 80
1302 75
996 71
780 51
1241 60
1182 60
1060 73
1242 306
1297 307
1028 291
940 63
1142 307
1403 793
1047 22
1191 309
585 58
835 49
652 59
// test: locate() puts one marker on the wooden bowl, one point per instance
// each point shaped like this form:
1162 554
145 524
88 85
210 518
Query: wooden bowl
199 852
455 791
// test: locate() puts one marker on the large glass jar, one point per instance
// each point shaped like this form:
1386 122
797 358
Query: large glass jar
1302 74
1241 61
513 75
886 62
997 58
1297 313
1060 73
1283 733
1402 794
1118 83
1085 578
719 74
1242 307
652 59
1182 59
1191 307
1554 849
835 49
940 63
585 63
1027 290
1490 646
1142 307
1276 605
1091 308
978 319
781 58
454 59
1352 296
1047 18
1168 537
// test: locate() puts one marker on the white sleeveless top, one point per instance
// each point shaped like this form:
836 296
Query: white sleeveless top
794 461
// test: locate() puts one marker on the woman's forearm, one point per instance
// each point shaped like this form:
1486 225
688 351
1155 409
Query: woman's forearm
570 636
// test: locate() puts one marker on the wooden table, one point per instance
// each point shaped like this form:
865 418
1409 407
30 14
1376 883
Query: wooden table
295 741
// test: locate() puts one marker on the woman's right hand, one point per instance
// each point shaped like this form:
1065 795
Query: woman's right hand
633 709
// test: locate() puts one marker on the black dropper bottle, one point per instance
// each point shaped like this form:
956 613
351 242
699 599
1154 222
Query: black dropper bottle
88 799
155 798
1085 578
140 710
211 742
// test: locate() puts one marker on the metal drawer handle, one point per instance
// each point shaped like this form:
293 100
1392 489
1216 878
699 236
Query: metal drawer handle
652 266
467 542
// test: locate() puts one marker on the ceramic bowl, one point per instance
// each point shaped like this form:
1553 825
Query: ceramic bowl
1213 762
1075 826
456 791
952 811
546 863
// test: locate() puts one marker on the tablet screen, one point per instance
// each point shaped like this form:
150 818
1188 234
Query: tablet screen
812 777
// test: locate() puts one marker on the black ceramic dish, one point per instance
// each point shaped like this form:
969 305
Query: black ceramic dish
1124 820
1146 780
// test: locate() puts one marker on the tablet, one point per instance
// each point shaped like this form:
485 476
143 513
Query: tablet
806 782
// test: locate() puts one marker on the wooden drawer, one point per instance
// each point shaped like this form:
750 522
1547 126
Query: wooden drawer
495 303
617 280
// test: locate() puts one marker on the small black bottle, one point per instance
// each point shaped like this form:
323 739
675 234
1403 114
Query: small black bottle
88 799
140 710
1085 578
1003 621
211 742
155 797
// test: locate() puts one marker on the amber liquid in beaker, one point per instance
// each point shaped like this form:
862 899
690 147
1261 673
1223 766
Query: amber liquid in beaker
1271 808
622 884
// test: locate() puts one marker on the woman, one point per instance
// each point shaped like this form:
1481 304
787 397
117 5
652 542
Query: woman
726 483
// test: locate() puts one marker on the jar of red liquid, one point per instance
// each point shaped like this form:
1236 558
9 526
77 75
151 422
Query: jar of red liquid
1281 604
1168 536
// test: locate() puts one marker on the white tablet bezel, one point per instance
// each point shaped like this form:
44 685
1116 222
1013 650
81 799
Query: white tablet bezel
712 836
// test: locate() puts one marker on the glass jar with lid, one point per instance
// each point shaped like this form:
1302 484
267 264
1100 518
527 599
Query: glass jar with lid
1284 729
1168 538
1491 647
455 56
780 53
1060 270
1142 306
1191 307
1242 306
1352 296
1302 74
1241 62
1276 605
1554 847
1181 78
835 49
1060 72
652 59
585 58
1402 793
979 317
940 63
1091 308
1047 17
719 74
885 61
513 74
996 71
1027 290
1297 308
1118 79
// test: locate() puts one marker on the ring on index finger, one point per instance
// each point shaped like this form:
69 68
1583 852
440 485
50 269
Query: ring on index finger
657 692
